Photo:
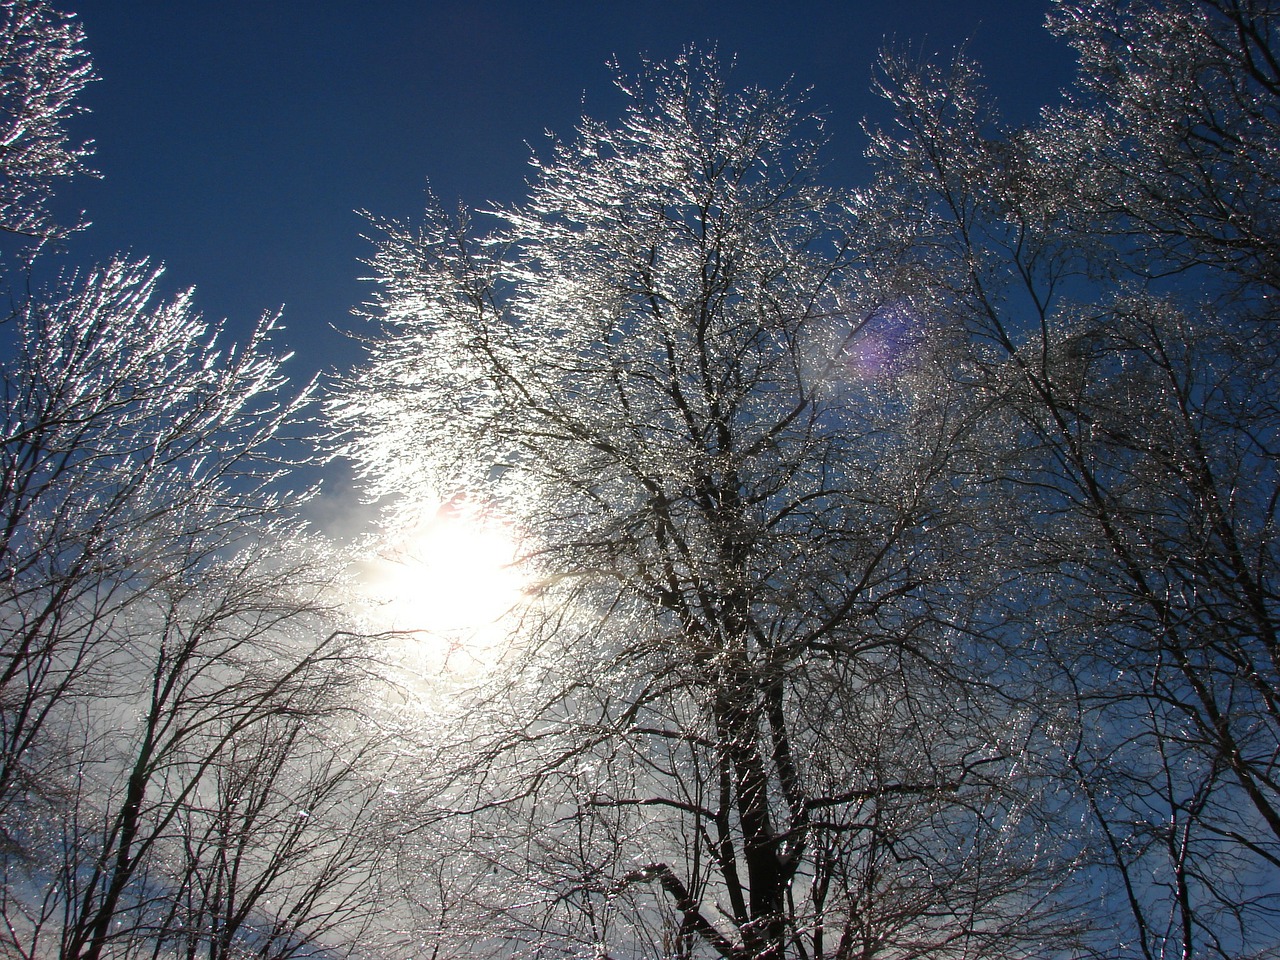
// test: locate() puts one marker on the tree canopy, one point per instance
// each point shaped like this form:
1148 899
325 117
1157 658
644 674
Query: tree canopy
896 566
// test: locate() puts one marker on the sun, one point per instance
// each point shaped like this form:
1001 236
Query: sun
449 579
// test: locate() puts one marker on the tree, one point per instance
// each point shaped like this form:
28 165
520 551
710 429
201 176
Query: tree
123 435
43 68
737 718
180 769
161 618
1180 126
1113 268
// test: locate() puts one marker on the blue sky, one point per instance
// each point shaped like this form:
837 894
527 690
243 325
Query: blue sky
237 137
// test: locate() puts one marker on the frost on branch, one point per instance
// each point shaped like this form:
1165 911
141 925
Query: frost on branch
43 68
166 634
731 690
1113 267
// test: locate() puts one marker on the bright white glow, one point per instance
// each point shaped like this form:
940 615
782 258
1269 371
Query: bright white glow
448 579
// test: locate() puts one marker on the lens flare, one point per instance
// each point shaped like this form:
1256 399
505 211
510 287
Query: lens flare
883 346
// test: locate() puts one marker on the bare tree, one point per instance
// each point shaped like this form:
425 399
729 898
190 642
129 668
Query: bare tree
282 853
1112 269
1180 103
43 68
164 615
231 818
133 454
181 769
739 719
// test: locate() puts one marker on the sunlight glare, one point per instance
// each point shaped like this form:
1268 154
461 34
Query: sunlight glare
449 578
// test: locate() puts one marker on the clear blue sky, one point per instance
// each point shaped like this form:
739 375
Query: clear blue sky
237 137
